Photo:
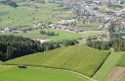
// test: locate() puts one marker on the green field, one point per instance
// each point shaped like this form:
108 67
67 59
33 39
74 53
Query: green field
81 59
108 65
92 26
3 67
36 34
32 14
122 61
38 74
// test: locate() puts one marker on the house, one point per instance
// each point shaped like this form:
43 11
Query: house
9 29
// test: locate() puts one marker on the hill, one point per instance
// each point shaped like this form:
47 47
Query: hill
81 59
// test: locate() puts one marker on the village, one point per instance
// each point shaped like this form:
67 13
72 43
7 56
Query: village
86 13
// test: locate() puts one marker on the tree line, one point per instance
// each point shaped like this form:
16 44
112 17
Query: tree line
16 46
116 43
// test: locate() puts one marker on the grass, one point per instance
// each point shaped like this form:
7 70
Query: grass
108 65
36 34
63 35
32 74
81 59
92 26
48 12
85 35
122 61
3 67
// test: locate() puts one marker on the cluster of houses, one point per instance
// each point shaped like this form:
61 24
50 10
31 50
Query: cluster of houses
23 29
66 28
101 37
81 8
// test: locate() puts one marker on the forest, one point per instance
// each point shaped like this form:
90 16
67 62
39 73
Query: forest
16 46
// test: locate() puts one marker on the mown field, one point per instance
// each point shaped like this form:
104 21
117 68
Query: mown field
81 59
108 65
38 74
29 13
36 34
92 26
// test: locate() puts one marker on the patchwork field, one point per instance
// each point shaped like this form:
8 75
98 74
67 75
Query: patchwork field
80 59
38 74
36 34
108 65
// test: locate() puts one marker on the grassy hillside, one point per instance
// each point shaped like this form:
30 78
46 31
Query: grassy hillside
81 59
108 65
122 61
38 74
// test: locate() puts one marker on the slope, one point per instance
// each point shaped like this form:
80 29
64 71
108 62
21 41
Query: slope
81 59
122 61
108 66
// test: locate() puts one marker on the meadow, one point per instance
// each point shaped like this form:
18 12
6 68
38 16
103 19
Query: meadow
36 34
92 26
30 13
80 59
38 74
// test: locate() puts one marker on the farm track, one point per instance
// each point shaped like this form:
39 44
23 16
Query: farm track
79 74
48 68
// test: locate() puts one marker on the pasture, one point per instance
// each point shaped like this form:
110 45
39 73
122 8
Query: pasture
36 34
30 13
38 74
121 61
108 65
82 59
92 26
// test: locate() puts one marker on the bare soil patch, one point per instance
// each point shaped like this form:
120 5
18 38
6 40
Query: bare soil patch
117 74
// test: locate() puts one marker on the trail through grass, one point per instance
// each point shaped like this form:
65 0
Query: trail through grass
33 74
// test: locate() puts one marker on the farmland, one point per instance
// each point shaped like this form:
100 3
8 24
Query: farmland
108 65
29 15
36 34
122 61
42 75
73 56
92 26
69 26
